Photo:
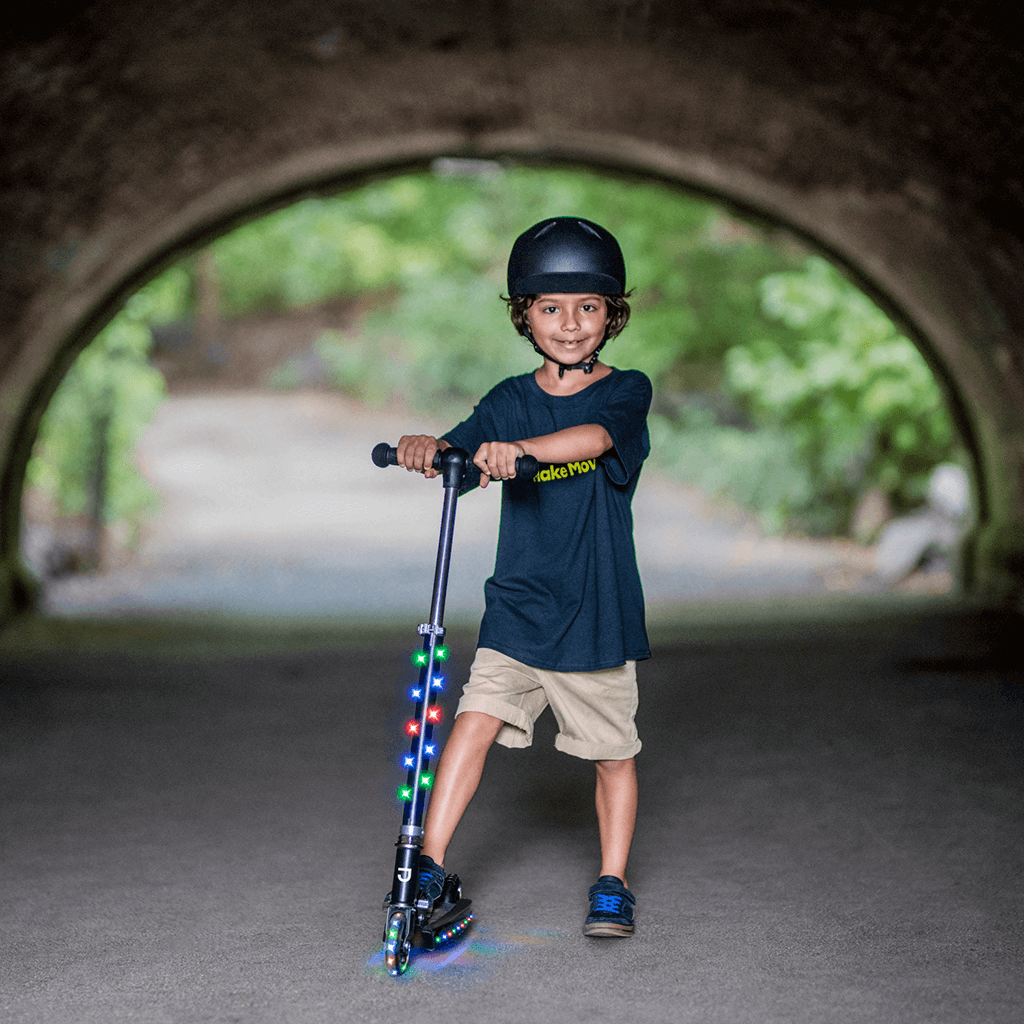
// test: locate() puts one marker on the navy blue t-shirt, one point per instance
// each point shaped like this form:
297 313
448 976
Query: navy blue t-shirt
566 593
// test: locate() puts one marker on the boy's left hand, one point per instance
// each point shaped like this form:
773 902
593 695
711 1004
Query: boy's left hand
496 460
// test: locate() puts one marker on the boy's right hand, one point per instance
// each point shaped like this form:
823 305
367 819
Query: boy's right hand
496 460
416 452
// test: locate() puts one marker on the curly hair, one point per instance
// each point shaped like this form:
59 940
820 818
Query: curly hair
618 313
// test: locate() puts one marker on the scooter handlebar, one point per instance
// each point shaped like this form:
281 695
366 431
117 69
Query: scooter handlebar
384 455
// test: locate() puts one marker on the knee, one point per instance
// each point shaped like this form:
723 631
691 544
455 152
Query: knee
613 769
478 727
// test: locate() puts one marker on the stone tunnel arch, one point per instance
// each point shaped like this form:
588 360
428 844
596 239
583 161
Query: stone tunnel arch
339 174
98 199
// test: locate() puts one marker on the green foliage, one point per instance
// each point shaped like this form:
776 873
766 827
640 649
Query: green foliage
433 248
434 225
110 388
854 397
760 470
444 342
167 297
838 398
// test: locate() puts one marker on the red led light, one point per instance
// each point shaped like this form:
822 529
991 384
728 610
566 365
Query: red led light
412 728
434 714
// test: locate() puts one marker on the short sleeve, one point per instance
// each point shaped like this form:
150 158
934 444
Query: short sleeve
624 415
482 424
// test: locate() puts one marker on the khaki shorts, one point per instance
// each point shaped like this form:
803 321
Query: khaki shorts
594 710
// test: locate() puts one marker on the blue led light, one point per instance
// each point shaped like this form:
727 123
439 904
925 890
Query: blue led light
409 761
416 693
438 683
428 749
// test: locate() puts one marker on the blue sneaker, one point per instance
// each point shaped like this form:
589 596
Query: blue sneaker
431 880
429 883
611 909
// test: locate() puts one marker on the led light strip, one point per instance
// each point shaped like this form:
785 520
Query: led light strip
419 728
453 932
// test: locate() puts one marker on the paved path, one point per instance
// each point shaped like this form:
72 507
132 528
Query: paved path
197 825
271 506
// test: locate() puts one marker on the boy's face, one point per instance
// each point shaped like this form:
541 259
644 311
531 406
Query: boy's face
568 327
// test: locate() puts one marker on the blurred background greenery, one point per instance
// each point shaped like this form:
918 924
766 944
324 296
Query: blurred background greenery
778 384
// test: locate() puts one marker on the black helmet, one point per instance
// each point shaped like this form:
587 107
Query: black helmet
566 255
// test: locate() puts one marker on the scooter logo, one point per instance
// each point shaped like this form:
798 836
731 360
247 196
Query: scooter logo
404 875
570 469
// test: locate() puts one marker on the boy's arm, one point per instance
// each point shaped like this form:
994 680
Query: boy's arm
496 460
574 444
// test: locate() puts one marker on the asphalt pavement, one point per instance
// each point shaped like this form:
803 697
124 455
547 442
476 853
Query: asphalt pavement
198 823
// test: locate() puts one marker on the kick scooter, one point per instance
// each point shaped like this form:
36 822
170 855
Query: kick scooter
411 922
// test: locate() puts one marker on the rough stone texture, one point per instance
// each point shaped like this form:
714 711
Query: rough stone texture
887 132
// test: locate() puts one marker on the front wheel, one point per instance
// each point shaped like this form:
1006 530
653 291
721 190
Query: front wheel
398 942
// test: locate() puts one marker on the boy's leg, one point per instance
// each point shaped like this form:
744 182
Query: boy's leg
458 775
611 902
616 801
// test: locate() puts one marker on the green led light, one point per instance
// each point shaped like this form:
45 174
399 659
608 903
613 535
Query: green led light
426 780
404 793
419 658
441 653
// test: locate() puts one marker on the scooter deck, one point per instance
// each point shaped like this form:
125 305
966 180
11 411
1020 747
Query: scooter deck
446 924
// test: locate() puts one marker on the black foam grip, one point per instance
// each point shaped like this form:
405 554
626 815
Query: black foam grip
384 455
527 466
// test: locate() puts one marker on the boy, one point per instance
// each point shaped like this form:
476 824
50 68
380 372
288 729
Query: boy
564 619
